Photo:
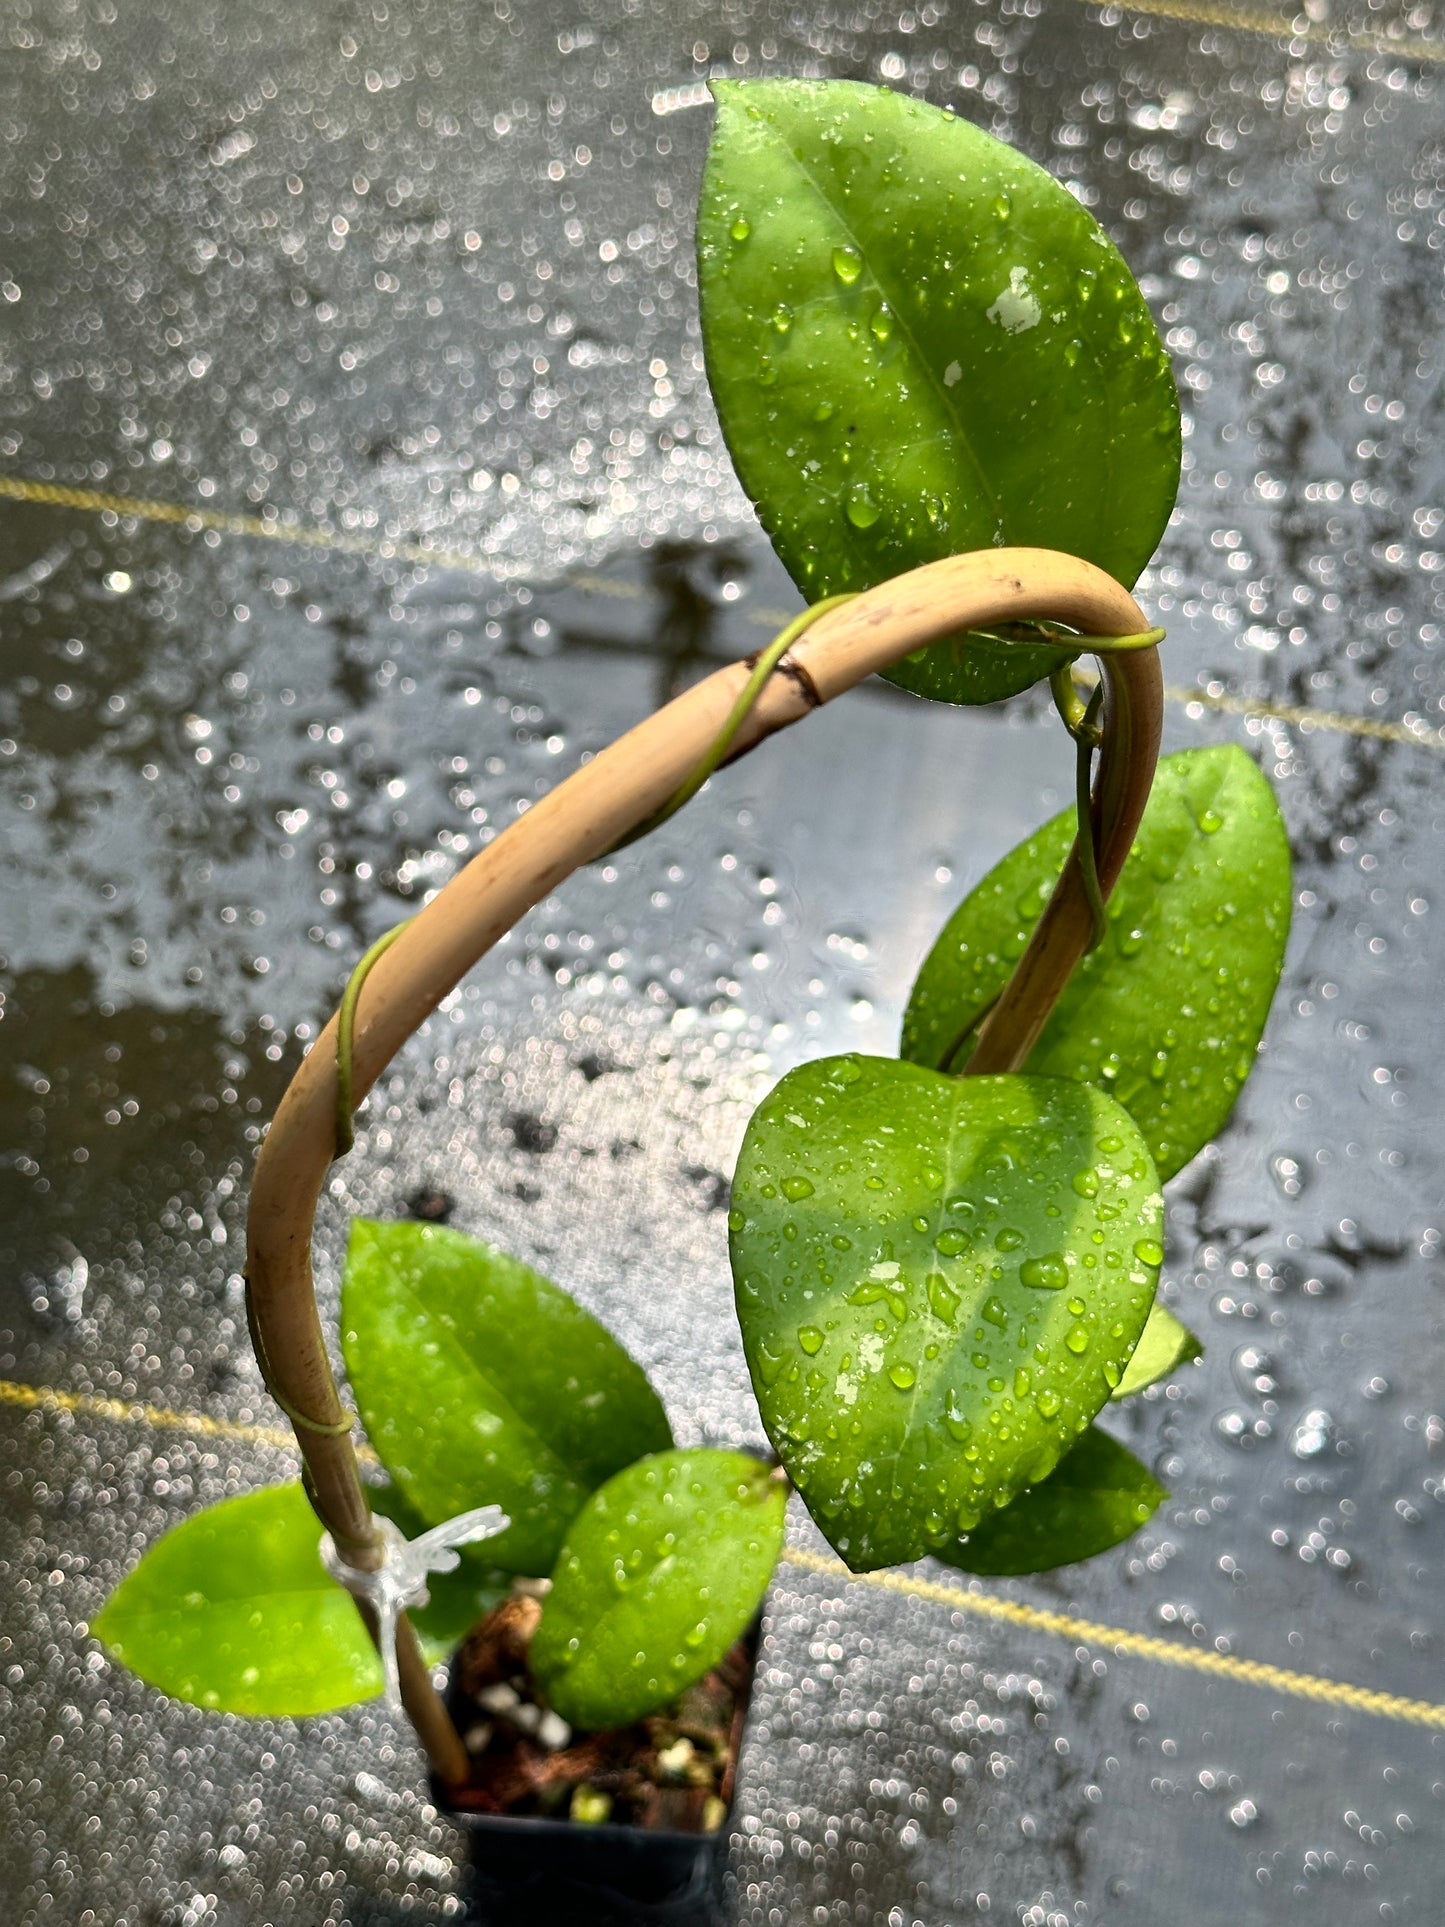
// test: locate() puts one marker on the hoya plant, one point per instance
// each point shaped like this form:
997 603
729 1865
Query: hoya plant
942 388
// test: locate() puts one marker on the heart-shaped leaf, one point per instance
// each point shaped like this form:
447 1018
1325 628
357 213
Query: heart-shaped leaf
919 343
1164 1345
939 1283
480 1382
662 1570
233 1610
1096 1497
1166 1014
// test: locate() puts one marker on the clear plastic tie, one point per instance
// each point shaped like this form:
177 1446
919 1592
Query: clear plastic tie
399 1582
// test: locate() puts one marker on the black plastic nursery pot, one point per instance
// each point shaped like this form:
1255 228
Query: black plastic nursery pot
539 1871
544 1870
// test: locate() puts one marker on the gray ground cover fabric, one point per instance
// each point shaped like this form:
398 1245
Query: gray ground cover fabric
422 274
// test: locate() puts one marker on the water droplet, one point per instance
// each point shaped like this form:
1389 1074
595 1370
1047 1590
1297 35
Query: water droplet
796 1189
995 1312
942 1298
1112 1373
952 1243
810 1338
1002 207
1149 1252
1008 1239
860 508
1022 1382
825 411
1077 1339
770 1363
1086 1183
847 265
1048 1402
1131 943
1049 1273
1032 901
881 325
957 1422
1313 1435
782 318
695 1635
736 1221
1210 821
902 1375
844 1070
741 228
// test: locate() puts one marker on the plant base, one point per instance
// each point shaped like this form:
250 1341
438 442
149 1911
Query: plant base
617 1827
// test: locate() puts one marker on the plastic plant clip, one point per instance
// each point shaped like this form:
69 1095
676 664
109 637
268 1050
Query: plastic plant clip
399 1583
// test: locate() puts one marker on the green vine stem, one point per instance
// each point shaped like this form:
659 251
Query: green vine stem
345 1031
1087 738
762 666
599 804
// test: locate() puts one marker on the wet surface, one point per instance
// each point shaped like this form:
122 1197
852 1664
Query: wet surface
423 275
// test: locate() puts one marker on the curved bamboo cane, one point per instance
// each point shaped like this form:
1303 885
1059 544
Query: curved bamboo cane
583 817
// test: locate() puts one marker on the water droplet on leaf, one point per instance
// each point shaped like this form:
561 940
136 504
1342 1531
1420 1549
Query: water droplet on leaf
860 507
942 1298
1049 1273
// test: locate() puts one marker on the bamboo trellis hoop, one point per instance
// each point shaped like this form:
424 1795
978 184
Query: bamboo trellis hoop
595 807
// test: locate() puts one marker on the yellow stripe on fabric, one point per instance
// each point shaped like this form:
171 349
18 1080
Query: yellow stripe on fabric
160 1418
983 1605
1164 1652
19 488
1279 26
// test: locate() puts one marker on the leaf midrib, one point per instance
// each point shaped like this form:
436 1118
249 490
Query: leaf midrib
941 394
176 1609
498 1401
628 1600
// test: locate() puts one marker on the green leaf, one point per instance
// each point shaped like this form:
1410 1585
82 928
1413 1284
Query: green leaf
939 1283
457 1599
662 1570
480 1382
1166 1014
233 1610
1164 1345
1096 1497
919 343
